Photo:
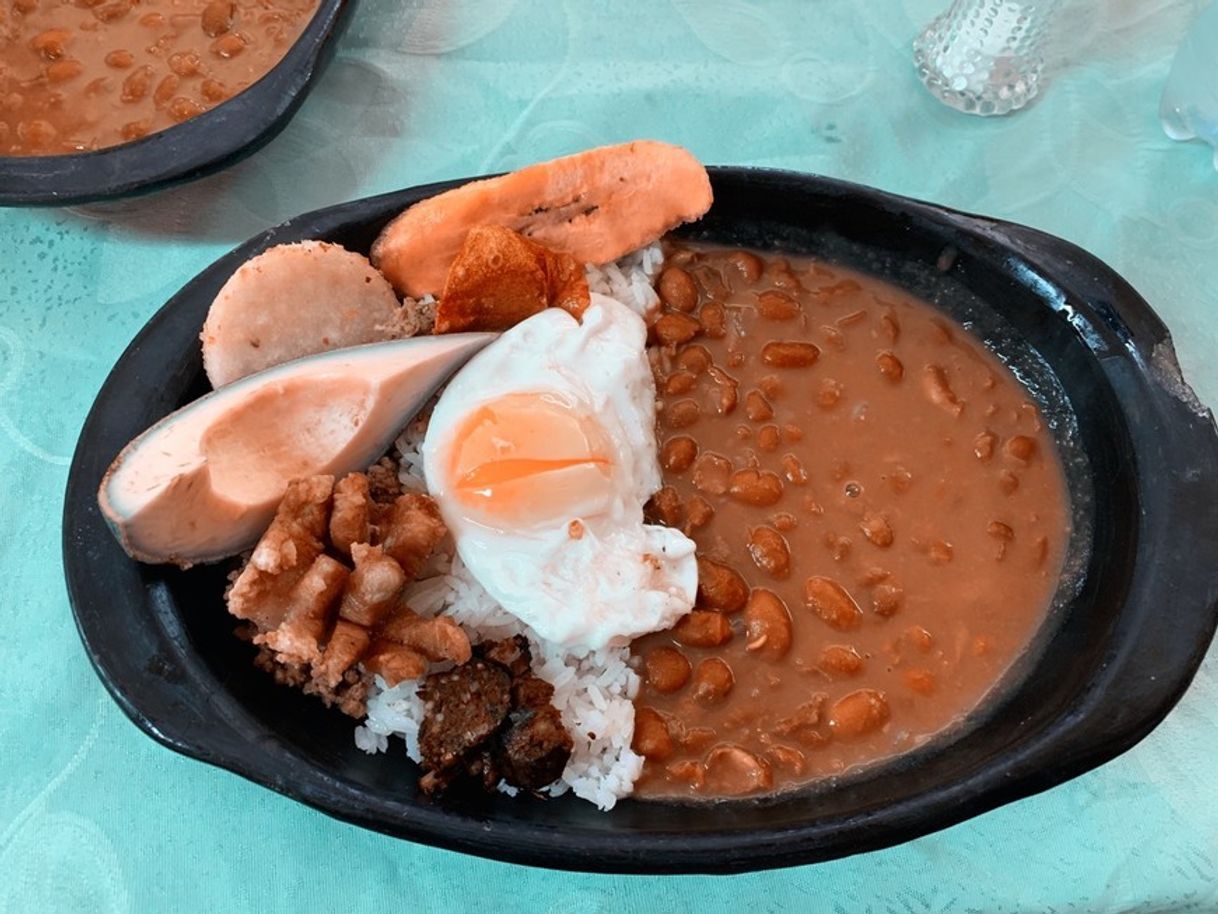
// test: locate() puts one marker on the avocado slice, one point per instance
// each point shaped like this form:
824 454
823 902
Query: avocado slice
203 483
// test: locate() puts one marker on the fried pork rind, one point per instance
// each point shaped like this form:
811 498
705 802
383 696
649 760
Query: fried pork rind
412 531
324 627
499 278
263 592
436 639
351 520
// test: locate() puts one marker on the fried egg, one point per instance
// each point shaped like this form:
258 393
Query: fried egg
541 453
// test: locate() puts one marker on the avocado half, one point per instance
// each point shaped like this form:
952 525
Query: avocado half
203 483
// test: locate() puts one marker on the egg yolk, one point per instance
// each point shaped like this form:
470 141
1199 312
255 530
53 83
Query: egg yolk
528 460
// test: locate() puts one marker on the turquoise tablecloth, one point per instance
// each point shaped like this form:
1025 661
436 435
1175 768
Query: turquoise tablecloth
95 817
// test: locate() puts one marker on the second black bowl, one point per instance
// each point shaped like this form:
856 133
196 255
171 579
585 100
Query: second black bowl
221 136
1123 647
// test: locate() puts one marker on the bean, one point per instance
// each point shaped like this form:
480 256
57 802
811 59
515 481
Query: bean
1003 533
841 287
727 389
712 473
137 83
678 453
152 21
63 70
804 723
920 638
692 738
1008 482
651 737
839 546
682 413
940 552
877 529
185 63
789 354
666 669
841 660
695 358
777 306
677 289
51 44
832 602
889 326
217 18
712 681
920 681
886 599
110 12
688 771
829 393
120 60
834 337
675 328
165 90
748 265
135 130
793 470
890 366
757 407
743 432
732 771
771 386
720 587
680 382
1040 551
858 713
665 506
713 318
703 628
36 133
783 277
936 386
767 625
755 487
784 522
770 552
698 513
25 6
228 46
874 575
899 480
787 757
983 445
213 90
768 438
183 109
1020 448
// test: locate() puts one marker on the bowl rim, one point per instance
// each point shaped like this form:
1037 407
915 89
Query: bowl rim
222 135
1122 322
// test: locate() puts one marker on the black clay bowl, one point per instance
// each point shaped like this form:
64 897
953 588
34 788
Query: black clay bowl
215 139
1127 636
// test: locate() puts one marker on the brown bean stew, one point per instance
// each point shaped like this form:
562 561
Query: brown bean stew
880 518
83 75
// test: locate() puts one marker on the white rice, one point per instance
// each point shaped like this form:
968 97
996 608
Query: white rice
595 692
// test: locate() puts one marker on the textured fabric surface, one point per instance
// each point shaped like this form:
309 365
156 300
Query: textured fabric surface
95 817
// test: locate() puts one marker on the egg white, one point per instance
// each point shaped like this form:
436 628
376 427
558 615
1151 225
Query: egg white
622 578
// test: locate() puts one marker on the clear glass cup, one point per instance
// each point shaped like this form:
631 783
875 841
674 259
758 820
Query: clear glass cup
985 56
